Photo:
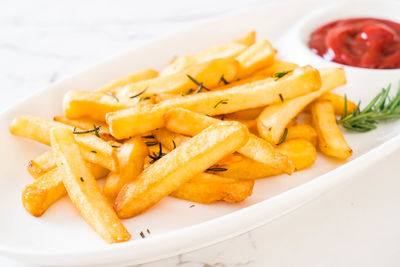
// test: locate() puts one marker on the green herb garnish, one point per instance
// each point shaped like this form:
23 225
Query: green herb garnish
113 96
148 231
95 130
138 94
199 84
158 156
144 98
221 102
142 234
93 151
82 179
283 137
216 169
148 136
151 143
173 142
116 146
279 75
189 92
382 107
223 80
281 97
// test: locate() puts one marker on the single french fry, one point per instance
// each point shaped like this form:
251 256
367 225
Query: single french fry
331 141
338 103
208 73
227 50
93 149
275 118
191 123
301 152
131 157
276 67
85 124
93 105
302 131
247 114
48 188
169 139
247 39
41 164
168 173
82 188
258 56
137 120
208 188
136 77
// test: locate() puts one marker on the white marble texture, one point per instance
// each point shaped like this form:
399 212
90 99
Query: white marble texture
43 41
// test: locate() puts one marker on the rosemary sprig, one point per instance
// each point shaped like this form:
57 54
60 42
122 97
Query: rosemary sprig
144 98
199 84
95 130
281 97
158 156
381 107
221 102
279 75
283 137
113 96
151 143
222 79
173 142
138 94
148 136
188 92
216 169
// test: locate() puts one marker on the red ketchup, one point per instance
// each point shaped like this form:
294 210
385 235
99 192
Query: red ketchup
360 42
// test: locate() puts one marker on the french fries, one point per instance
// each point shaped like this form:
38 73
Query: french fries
208 188
83 189
258 56
274 118
190 123
92 105
331 141
136 77
48 188
203 130
168 173
92 148
208 73
131 157
141 119
85 124
41 164
338 103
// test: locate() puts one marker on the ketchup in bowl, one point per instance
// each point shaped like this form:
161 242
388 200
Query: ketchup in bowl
360 42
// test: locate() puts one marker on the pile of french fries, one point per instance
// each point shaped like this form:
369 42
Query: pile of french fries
203 129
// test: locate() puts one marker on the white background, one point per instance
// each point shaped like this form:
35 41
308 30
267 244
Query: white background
43 41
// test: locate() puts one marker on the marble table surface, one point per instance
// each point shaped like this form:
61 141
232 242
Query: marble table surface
43 41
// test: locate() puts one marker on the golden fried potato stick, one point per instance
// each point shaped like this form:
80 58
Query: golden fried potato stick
208 188
302 131
247 39
93 149
131 157
190 123
331 141
258 56
301 152
138 120
93 105
82 188
247 114
85 124
275 118
135 77
169 172
182 63
338 103
276 67
48 188
41 164
208 74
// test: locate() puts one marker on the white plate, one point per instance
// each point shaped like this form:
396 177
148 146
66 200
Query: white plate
61 237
